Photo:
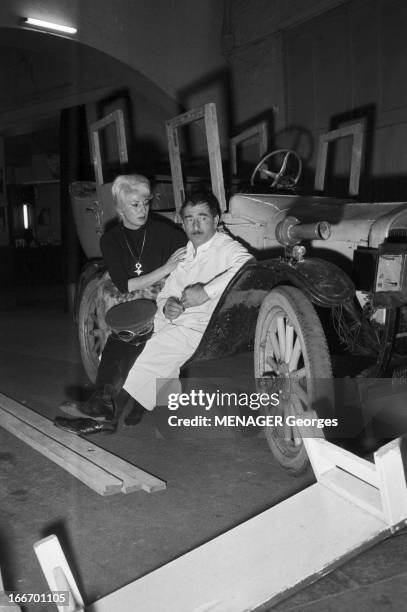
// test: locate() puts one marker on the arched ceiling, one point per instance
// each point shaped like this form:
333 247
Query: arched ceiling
171 43
155 48
45 73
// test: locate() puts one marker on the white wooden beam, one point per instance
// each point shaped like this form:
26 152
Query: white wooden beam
5 605
58 573
272 555
261 561
325 455
390 460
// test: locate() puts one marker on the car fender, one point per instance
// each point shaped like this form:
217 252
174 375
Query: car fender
323 282
232 326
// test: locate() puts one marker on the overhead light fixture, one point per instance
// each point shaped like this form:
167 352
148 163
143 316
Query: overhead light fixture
48 25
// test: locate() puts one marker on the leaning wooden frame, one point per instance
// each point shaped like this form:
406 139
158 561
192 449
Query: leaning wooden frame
115 118
357 132
257 133
207 114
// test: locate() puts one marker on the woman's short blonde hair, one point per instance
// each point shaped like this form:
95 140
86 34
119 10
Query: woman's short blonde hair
125 184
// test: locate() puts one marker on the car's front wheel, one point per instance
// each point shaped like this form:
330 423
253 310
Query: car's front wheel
291 355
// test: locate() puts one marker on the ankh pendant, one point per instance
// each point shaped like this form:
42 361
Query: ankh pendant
138 268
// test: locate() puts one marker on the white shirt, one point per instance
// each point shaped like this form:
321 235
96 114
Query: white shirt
214 264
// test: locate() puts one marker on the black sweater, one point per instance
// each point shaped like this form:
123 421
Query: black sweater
162 238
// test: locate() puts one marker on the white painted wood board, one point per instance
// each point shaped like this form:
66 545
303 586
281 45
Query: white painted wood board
5 606
58 573
262 560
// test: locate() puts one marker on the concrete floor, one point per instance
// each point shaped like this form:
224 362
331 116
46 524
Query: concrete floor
213 485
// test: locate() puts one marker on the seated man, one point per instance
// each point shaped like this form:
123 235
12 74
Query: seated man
188 298
186 302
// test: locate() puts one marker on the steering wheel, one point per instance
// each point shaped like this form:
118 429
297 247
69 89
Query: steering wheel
281 178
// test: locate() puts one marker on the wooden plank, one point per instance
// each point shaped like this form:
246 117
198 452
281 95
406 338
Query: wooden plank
176 167
393 488
58 573
327 455
215 160
319 464
90 474
309 534
132 477
189 117
355 490
5 606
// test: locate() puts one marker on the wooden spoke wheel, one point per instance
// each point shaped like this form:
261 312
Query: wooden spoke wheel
92 329
291 356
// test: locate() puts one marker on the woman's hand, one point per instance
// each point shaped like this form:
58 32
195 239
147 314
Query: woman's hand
175 259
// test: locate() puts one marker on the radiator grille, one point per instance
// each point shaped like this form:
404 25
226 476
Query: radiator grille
397 235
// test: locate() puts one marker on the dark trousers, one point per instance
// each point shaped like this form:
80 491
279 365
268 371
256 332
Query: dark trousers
117 360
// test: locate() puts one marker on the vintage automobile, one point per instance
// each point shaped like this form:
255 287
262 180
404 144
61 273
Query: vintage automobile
329 280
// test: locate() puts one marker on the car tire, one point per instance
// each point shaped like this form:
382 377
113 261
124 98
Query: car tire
291 355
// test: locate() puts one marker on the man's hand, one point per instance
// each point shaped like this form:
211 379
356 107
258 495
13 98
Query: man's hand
194 295
173 308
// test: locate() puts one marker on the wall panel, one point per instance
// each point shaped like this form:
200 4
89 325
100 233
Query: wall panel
354 59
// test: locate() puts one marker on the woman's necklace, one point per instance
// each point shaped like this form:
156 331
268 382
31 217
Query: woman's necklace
138 268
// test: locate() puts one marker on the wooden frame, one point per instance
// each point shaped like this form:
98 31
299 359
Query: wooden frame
117 118
356 130
260 131
208 114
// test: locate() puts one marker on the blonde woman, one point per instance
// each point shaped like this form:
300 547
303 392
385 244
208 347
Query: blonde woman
141 250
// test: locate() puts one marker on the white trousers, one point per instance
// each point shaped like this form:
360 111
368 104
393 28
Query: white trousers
167 350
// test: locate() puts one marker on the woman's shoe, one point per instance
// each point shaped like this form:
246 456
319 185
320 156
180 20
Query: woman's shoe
85 426
98 406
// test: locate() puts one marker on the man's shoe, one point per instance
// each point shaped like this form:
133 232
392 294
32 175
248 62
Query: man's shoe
85 426
135 415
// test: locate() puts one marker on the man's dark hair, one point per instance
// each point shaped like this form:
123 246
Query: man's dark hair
202 197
